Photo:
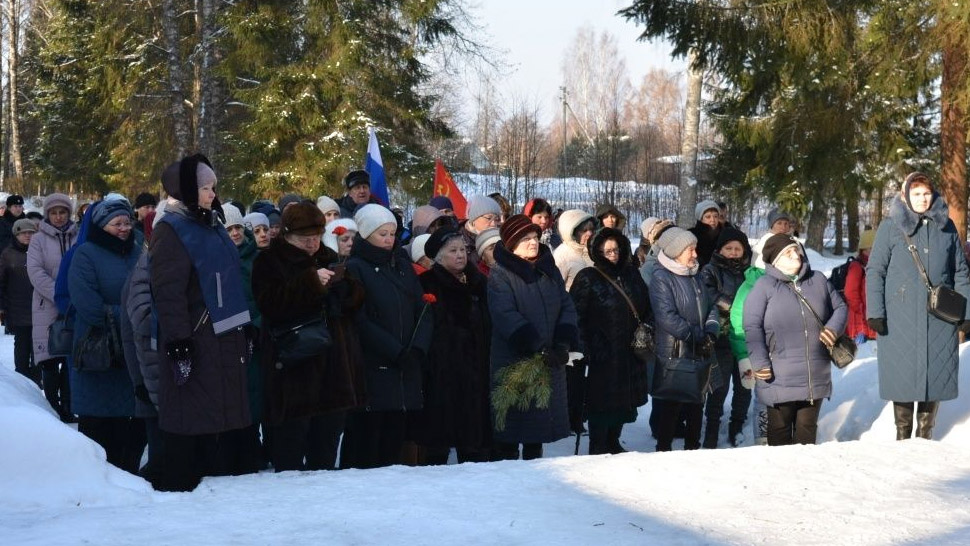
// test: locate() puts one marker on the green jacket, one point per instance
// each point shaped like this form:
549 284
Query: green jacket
736 334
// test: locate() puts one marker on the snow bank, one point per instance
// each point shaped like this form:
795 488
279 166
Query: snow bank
45 464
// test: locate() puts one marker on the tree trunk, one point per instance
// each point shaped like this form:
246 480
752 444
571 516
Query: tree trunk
208 107
839 248
176 80
852 220
818 219
953 136
13 31
688 145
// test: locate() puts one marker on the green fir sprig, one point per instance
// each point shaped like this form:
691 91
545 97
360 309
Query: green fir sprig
520 386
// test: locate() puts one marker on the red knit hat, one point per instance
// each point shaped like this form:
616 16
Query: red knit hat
515 229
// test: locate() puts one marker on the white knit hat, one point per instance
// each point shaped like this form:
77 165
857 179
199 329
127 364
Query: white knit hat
326 204
417 247
647 225
372 216
256 219
330 238
232 214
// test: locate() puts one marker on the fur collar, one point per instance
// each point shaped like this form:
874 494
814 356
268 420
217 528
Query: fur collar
544 263
908 221
475 281
111 243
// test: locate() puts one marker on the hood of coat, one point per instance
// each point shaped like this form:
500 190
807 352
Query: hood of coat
568 222
908 221
603 210
528 271
599 259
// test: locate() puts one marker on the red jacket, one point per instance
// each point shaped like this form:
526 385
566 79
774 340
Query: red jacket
855 297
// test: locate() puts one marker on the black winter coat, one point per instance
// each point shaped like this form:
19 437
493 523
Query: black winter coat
16 292
456 380
389 326
617 379
214 399
6 228
136 333
288 292
706 241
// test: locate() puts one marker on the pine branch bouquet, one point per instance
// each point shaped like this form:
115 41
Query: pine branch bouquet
519 386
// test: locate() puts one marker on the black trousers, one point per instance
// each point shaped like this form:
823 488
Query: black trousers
505 451
667 415
57 386
123 439
740 397
793 423
186 459
373 439
23 353
309 443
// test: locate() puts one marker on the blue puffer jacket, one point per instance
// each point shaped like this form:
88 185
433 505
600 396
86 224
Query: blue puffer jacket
96 276
683 313
782 334
530 309
919 356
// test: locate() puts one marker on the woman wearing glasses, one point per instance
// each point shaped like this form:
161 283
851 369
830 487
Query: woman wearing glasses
611 300
483 213
102 394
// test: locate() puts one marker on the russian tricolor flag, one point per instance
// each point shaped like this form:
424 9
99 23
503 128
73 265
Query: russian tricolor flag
374 166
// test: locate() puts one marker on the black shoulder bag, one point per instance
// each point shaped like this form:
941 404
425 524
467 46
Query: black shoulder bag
844 349
942 301
643 342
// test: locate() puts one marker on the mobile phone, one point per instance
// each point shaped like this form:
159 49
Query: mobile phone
338 272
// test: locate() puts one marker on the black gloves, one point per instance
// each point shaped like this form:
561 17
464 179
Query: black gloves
878 325
556 357
705 349
141 393
181 351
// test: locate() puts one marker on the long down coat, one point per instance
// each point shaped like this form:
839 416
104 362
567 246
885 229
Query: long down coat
456 380
530 310
44 254
918 358
617 379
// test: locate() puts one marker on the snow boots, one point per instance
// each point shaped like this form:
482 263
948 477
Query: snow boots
925 419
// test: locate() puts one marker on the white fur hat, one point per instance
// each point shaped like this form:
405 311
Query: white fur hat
330 238
417 247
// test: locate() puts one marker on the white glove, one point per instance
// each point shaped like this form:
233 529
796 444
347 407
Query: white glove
747 373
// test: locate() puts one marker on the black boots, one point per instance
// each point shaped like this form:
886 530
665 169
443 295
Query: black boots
710 434
734 428
925 419
903 415
603 440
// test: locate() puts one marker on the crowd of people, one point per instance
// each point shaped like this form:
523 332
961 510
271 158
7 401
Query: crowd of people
330 333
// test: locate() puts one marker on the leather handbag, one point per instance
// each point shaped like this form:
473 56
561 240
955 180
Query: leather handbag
307 339
99 349
643 343
844 349
942 301
60 336
681 380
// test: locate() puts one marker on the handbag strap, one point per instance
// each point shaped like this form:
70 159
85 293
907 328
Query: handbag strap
919 262
622 293
809 305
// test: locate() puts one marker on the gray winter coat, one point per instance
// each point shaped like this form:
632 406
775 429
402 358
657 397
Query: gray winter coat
918 358
782 334
47 246
649 265
530 310
136 333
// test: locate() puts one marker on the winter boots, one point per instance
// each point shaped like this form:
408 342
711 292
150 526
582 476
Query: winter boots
603 440
925 419
734 428
710 434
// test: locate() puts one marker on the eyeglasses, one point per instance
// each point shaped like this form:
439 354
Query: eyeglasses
610 251
490 218
120 224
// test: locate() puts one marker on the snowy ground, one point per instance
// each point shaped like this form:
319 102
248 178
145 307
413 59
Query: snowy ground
857 486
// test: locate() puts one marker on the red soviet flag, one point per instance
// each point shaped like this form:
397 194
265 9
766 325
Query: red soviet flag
445 186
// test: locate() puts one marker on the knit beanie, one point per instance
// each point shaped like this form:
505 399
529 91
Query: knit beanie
480 205
515 229
417 247
303 218
729 234
776 244
647 225
289 198
15 200
776 214
356 178
57 200
439 239
274 217
108 209
422 218
326 204
866 238
537 206
441 202
703 207
335 229
24 225
145 199
675 241
233 216
253 219
486 238
372 216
